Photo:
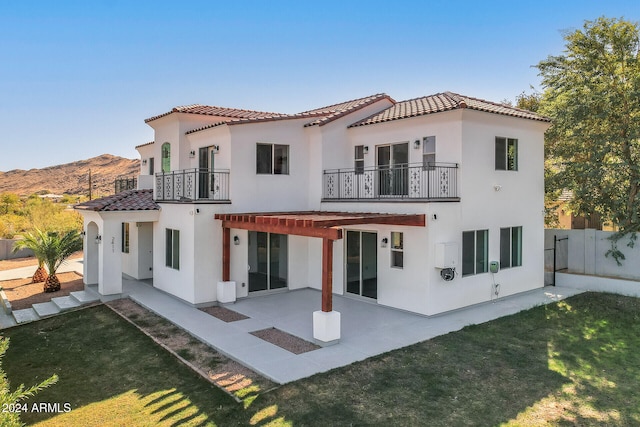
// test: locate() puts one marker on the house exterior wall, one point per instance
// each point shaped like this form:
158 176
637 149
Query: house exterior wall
489 199
518 201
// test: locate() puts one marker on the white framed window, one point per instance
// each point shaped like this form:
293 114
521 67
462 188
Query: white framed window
506 154
397 249
358 159
428 152
125 237
475 252
272 159
511 247
172 249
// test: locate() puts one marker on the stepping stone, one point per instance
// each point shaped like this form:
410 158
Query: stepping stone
85 297
6 320
65 303
26 315
45 309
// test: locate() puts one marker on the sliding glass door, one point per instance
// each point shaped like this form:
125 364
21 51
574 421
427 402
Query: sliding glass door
268 268
393 176
362 263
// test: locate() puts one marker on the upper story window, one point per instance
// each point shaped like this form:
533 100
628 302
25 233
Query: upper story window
166 157
428 151
358 162
272 159
506 154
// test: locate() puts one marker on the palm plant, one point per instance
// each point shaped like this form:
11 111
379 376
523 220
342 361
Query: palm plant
52 249
31 241
56 248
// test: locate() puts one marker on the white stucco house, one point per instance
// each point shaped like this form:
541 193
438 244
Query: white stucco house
404 204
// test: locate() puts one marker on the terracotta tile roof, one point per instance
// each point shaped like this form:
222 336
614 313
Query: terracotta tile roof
231 113
130 200
444 102
145 144
323 115
335 111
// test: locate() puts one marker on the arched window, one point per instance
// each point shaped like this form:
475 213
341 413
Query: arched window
166 157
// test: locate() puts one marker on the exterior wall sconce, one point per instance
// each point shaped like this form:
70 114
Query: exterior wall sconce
144 161
83 233
98 239
236 240
416 144
192 153
384 242
216 148
365 149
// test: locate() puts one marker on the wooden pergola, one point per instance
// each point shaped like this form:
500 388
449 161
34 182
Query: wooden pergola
321 224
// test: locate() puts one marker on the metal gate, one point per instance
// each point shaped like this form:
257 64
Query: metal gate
556 259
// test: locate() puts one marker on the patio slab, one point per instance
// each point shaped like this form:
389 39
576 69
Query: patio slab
367 329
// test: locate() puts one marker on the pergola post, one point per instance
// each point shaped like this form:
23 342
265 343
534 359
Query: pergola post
226 254
327 275
326 323
226 288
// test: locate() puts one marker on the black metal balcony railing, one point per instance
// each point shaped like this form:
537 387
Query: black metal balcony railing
192 184
125 183
398 182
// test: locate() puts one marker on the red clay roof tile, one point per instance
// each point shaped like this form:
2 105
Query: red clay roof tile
231 113
130 200
444 102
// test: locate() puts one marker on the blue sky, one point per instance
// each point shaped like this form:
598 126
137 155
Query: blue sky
78 78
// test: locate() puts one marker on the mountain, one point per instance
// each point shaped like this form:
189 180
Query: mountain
71 178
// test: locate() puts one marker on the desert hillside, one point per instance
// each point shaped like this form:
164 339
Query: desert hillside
71 178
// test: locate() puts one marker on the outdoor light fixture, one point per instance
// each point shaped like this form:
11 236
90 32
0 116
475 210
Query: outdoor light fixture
83 233
192 153
98 239
365 149
236 240
216 148
416 144
383 242
144 161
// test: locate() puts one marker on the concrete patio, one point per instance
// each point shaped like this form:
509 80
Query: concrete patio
367 329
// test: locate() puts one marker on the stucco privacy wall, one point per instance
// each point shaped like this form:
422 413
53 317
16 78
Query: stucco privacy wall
6 250
587 249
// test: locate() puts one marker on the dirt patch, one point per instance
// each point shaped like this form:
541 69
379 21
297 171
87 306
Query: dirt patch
10 264
224 314
285 340
236 379
23 294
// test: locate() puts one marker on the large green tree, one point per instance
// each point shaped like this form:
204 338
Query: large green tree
592 94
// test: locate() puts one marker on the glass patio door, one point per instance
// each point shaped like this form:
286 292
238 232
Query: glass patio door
393 176
268 267
362 263
205 173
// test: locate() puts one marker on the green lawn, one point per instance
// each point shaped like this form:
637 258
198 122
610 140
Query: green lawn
572 363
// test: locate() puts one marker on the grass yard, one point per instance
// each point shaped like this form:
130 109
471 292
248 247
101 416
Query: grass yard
576 362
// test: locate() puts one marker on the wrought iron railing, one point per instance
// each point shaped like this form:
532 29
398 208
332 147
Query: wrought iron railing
192 184
398 182
125 183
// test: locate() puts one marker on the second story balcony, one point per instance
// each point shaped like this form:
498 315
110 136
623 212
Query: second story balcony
403 182
192 185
